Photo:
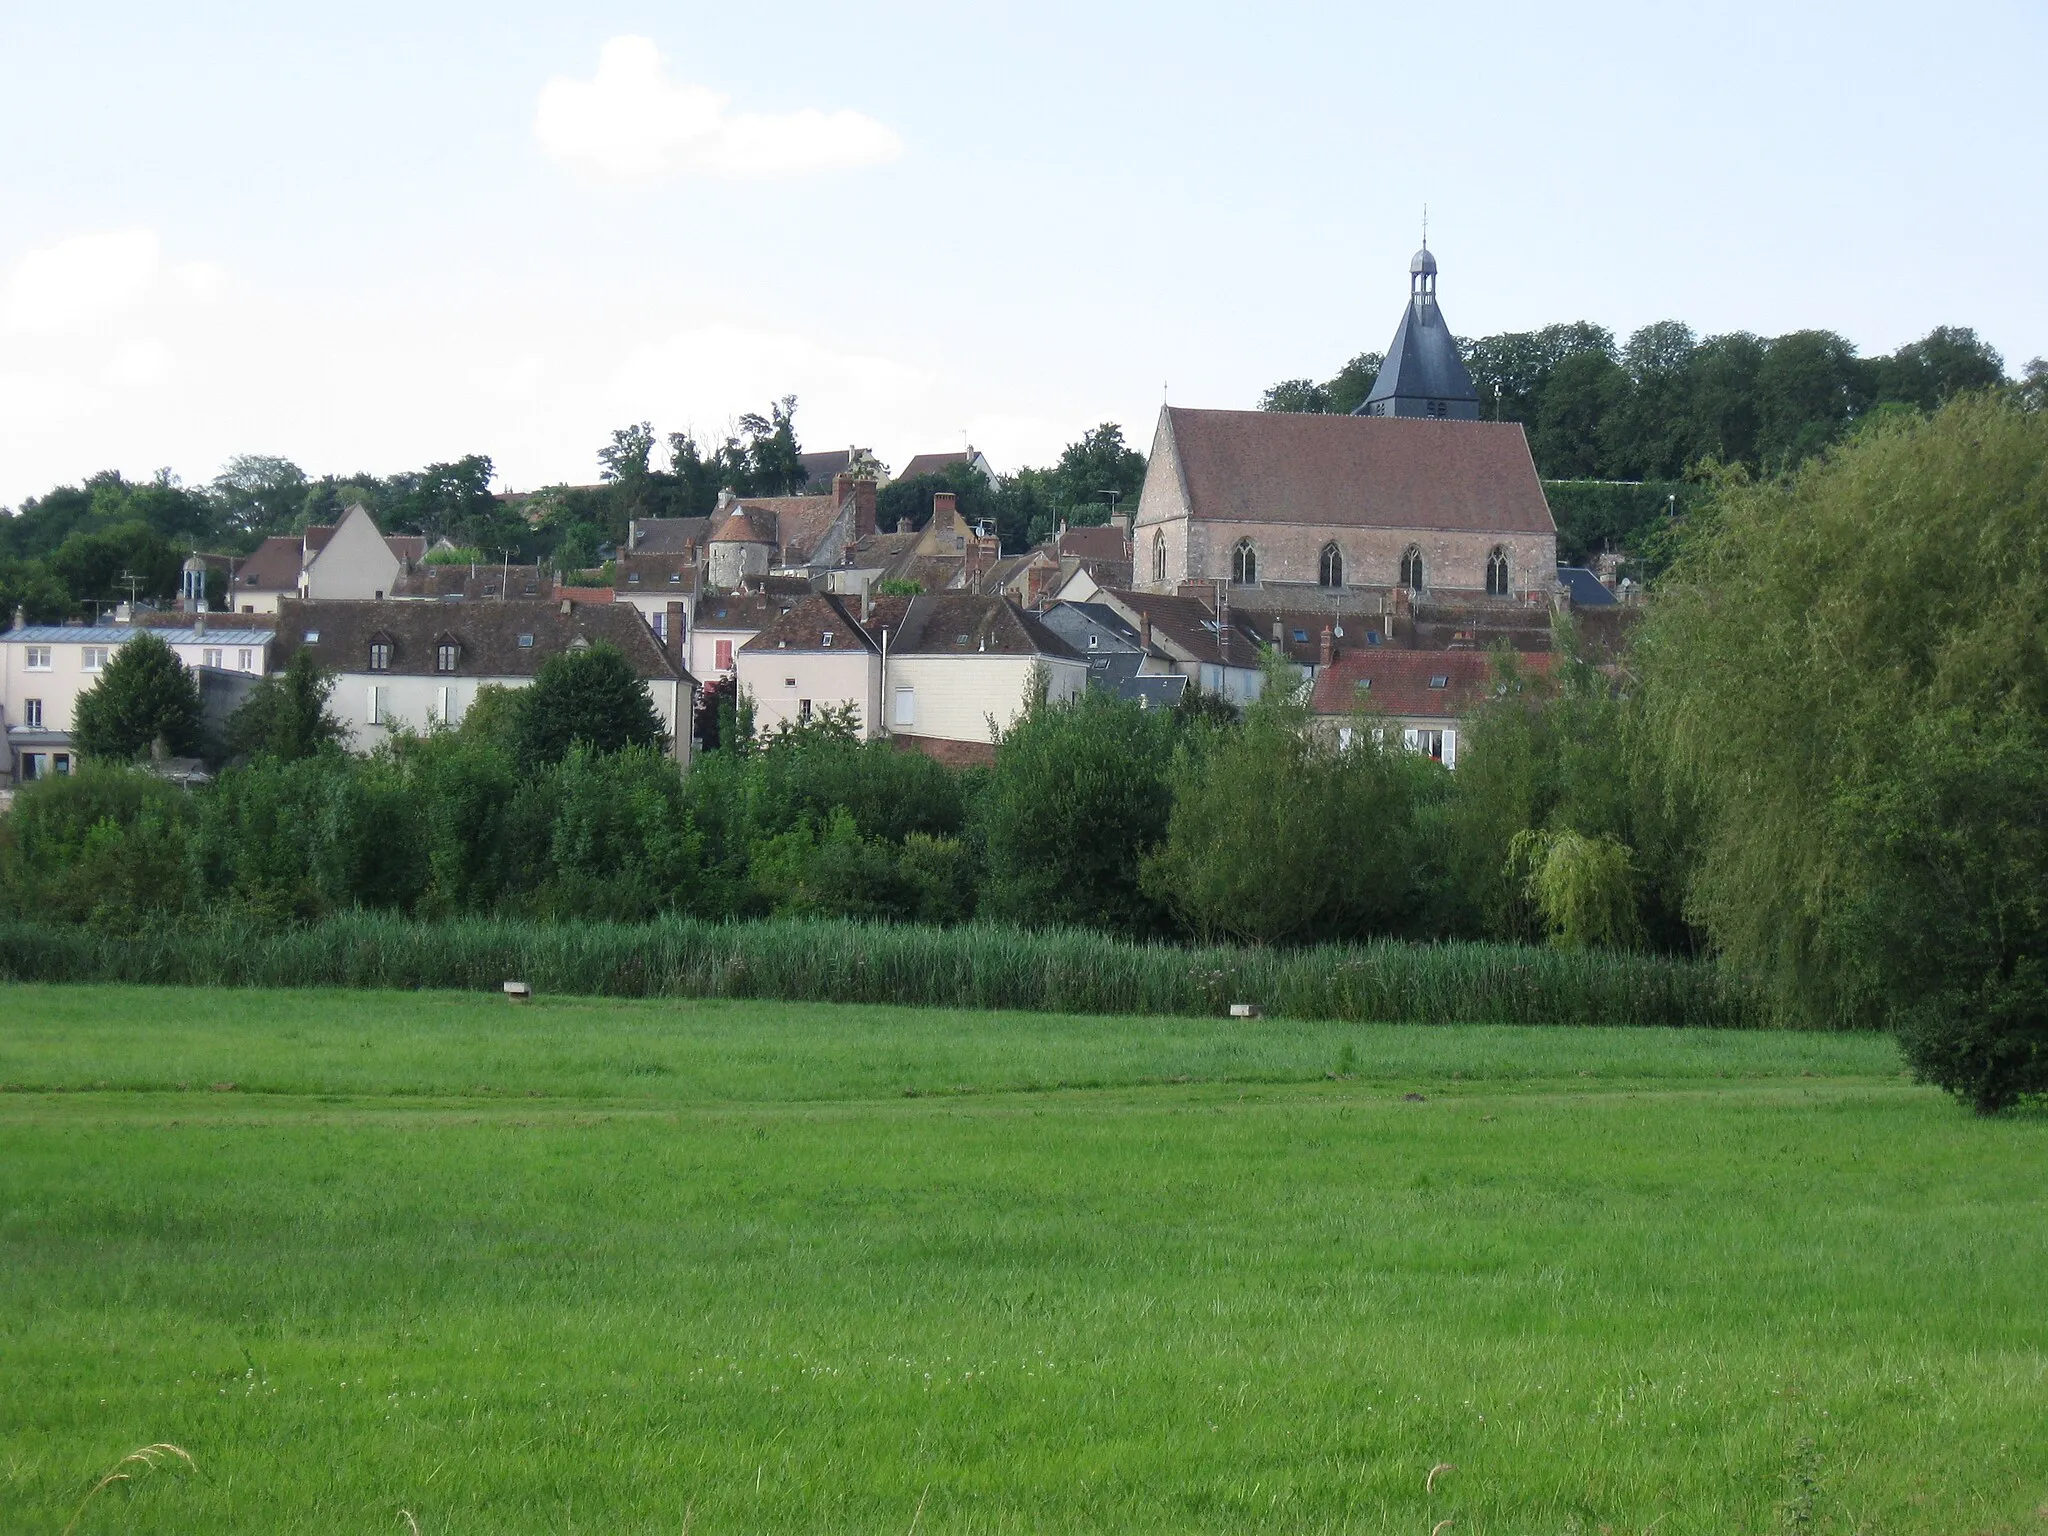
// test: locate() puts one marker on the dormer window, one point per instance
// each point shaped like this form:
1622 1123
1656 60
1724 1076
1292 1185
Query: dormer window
827 639
380 655
632 578
675 578
312 637
447 652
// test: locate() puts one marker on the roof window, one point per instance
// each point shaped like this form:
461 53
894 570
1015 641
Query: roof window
312 637
1440 681
1301 637
632 578
827 639
675 578
526 642
1365 685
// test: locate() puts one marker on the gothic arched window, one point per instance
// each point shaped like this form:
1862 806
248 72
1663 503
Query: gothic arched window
1411 569
1244 564
1497 573
1332 572
1159 556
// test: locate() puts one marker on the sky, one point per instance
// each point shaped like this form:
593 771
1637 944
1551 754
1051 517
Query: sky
372 236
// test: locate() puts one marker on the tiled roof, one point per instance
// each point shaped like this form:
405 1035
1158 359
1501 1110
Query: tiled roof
805 626
409 547
339 634
1105 541
473 581
819 468
273 566
1187 625
669 573
746 524
1587 590
932 464
1359 471
956 623
668 535
798 522
1406 684
741 610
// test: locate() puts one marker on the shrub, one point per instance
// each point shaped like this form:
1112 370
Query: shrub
105 845
287 717
590 698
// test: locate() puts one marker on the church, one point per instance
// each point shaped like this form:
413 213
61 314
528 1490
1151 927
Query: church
1412 492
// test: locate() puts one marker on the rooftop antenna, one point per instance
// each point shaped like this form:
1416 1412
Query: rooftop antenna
1425 226
131 581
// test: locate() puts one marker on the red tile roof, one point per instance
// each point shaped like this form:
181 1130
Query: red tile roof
1400 683
1359 471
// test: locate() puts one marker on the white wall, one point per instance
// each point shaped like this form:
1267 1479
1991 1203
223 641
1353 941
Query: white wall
59 688
953 696
412 702
356 561
703 662
778 680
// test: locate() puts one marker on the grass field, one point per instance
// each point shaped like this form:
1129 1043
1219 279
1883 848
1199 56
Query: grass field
615 1266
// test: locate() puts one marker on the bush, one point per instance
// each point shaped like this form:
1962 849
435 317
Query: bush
143 698
590 698
105 845
287 717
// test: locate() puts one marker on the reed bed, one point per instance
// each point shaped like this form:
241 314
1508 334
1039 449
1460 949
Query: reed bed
978 966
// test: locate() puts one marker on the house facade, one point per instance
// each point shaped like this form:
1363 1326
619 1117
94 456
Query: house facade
410 666
1424 695
346 559
44 668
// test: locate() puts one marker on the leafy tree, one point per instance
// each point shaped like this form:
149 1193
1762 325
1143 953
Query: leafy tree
622 845
30 587
144 696
1578 397
1338 396
258 494
286 717
1950 360
624 459
1098 473
1077 799
105 845
1848 671
910 501
1584 887
1809 389
773 455
1278 834
1304 396
96 566
590 697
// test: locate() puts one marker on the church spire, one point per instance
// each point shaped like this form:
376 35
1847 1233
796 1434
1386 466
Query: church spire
1423 374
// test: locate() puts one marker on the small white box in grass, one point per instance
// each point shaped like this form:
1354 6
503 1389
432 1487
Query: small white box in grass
1244 1010
518 992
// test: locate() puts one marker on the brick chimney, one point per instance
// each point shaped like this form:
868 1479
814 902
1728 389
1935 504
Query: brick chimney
1145 632
675 636
1326 650
842 487
945 507
1279 634
863 508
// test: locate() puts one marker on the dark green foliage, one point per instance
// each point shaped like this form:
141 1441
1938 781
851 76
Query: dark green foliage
622 844
1279 835
286 717
589 697
1078 797
1849 671
1624 516
908 503
104 845
144 698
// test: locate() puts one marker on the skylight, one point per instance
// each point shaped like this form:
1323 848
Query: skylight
526 642
1440 681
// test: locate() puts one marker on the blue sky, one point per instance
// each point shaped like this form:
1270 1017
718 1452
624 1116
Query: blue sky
374 235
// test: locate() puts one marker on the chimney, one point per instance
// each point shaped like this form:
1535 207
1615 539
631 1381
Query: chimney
1326 652
1279 634
568 607
945 507
689 551
675 636
1145 632
867 591
20 617
842 487
1223 622
198 623
863 508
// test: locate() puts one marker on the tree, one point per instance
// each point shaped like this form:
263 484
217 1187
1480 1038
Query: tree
30 587
1338 396
1950 360
588 696
1077 799
287 717
1098 473
774 457
145 696
1847 672
1303 396
259 494
1809 388
624 459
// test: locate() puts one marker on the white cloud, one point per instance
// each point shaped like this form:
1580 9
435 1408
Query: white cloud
631 122
95 284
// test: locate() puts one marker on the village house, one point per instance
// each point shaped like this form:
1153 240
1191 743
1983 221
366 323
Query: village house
45 667
347 559
408 666
726 621
1424 695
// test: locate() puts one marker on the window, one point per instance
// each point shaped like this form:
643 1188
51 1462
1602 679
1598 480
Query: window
39 658
1094 640
723 660
32 714
1332 572
1301 637
245 661
789 682
660 623
828 639
380 656
209 658
803 711
1411 569
93 657
632 578
529 589
906 706
445 656
1429 743
312 637
34 764
444 707
1441 680
60 764
1439 408
1497 573
675 578
1365 685
1244 564
1159 555
526 642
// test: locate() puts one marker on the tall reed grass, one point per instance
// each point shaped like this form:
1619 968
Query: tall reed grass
849 962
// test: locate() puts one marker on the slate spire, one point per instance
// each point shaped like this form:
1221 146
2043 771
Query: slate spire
1423 374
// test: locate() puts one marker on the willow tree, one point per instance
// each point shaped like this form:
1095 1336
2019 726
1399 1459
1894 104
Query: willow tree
1849 670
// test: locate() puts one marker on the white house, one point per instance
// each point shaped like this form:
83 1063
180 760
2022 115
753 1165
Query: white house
45 667
347 559
415 665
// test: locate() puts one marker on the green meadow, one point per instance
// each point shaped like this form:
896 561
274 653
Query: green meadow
642 1266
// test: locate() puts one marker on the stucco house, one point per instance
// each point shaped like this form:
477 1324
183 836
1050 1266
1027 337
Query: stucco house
45 667
1425 695
414 665
347 559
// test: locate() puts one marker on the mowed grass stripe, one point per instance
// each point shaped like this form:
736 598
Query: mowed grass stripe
1145 1306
